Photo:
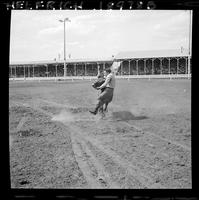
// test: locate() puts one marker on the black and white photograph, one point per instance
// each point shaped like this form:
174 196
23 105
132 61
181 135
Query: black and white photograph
100 99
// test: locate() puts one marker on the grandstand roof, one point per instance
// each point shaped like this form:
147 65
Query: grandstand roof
120 56
43 62
152 54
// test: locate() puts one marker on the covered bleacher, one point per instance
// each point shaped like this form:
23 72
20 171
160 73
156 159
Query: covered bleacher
134 64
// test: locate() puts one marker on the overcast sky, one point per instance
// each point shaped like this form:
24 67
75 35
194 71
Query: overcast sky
38 35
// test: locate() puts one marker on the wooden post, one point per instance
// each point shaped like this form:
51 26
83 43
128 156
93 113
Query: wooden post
137 66
177 65
47 70
129 67
75 73
144 66
169 68
152 66
56 70
33 70
121 73
161 66
85 70
24 69
29 71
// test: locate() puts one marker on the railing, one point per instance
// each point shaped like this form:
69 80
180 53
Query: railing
72 78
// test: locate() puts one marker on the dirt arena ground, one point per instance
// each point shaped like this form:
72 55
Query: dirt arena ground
143 142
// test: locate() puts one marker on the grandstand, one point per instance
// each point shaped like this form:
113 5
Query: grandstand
158 63
134 64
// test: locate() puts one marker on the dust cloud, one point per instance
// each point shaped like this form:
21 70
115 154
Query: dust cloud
63 116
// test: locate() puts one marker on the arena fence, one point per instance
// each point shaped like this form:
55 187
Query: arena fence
127 77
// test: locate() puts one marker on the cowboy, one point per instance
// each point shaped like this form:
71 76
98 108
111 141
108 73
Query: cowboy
107 95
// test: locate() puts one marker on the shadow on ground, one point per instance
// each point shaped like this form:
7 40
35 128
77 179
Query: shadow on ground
126 115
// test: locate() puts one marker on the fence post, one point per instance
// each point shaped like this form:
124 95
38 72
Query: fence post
152 66
177 65
24 69
161 66
169 69
137 66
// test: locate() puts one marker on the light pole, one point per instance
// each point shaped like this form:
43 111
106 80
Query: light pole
64 20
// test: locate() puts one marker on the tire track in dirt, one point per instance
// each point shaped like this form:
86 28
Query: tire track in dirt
124 122
125 164
158 158
102 175
22 121
145 164
159 137
81 159
34 108
154 135
92 169
168 141
132 169
133 126
146 139
138 129
83 165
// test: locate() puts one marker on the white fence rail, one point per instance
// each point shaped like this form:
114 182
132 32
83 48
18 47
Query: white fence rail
72 78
